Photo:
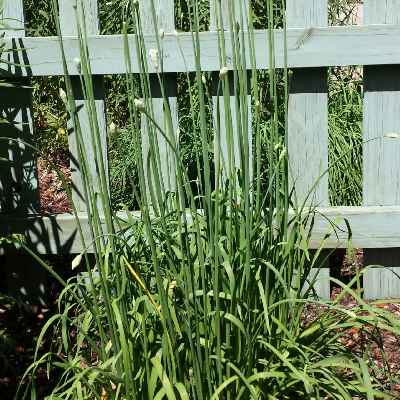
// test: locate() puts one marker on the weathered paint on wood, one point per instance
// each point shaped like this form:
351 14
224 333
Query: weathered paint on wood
234 120
382 282
164 22
307 13
317 47
372 227
18 177
68 23
381 179
381 12
308 113
14 20
308 121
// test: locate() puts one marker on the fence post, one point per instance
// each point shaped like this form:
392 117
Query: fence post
18 177
165 16
68 23
308 121
381 155
238 118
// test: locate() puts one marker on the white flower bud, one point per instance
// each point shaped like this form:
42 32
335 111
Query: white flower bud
63 96
139 105
223 73
76 261
392 135
112 129
78 64
203 79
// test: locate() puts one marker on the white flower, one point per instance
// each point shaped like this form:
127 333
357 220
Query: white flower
392 135
63 96
139 105
203 79
223 73
154 58
78 64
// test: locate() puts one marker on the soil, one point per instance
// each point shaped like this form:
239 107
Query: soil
53 197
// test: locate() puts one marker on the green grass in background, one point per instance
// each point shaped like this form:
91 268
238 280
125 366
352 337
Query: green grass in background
345 103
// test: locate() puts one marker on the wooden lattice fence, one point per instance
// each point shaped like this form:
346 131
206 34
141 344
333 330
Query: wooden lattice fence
312 47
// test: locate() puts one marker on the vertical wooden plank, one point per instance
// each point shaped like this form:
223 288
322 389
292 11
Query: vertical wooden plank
382 283
241 7
165 16
320 277
18 176
24 278
69 28
308 111
308 121
381 155
322 285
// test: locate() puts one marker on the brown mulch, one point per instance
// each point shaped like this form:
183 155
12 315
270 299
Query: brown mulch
53 197
382 347
17 346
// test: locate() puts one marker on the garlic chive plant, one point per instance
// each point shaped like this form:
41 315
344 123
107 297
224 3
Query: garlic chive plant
202 296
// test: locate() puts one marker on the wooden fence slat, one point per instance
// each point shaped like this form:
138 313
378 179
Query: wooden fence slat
372 227
241 7
165 22
320 47
18 178
308 120
69 28
19 193
308 111
381 155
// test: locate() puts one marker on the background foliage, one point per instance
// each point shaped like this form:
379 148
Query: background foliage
345 103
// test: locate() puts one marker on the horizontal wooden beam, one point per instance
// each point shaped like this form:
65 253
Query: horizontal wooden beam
53 234
311 47
371 227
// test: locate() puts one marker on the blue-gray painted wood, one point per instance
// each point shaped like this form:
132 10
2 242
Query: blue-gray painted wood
308 121
18 176
164 25
308 113
382 279
68 23
371 227
381 179
232 124
332 46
